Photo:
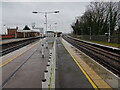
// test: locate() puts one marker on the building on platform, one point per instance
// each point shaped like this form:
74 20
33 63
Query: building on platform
11 33
53 34
50 33
26 32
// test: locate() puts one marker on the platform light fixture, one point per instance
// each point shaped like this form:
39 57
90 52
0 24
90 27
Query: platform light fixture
35 12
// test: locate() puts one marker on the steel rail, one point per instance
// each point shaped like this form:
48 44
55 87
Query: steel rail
15 47
105 58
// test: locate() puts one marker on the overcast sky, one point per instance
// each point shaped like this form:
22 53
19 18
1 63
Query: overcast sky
20 14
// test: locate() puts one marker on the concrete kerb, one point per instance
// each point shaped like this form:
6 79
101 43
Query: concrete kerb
49 74
45 81
52 84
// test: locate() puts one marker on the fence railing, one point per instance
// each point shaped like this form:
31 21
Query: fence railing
102 38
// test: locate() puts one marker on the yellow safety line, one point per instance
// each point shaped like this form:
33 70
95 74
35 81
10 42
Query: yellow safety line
87 76
9 59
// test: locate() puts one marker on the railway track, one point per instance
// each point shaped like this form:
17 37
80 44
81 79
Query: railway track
108 58
10 47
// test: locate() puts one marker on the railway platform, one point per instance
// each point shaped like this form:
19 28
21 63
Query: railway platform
4 41
24 68
68 74
73 72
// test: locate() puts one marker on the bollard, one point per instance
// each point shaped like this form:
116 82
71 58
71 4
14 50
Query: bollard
49 57
42 50
44 85
50 51
46 77
48 67
48 60
41 42
49 63
46 44
49 71
45 81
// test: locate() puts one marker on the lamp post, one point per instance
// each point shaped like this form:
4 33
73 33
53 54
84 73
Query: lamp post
55 27
109 35
46 13
4 27
90 32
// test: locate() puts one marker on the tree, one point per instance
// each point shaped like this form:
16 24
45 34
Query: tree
99 17
76 27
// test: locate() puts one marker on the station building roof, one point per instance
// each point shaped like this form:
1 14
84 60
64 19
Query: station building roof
49 31
20 30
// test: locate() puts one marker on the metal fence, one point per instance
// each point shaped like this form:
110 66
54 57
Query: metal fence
114 39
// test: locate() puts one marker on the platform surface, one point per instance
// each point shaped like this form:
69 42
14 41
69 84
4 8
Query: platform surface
68 74
91 74
4 41
30 75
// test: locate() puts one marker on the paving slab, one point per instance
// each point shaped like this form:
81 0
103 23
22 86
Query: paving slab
68 74
30 75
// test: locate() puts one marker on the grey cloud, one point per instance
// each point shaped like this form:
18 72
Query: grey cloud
20 13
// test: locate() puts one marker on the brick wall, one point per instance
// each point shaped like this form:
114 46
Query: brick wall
11 31
8 36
